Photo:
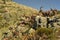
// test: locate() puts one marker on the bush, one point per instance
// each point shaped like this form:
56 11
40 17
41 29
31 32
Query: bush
47 31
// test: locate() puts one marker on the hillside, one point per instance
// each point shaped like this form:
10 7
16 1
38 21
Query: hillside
11 11
10 14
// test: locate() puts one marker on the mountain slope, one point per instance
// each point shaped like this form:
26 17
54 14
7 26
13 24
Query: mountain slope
10 14
11 11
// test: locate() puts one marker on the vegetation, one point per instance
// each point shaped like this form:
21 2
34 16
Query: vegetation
49 32
10 13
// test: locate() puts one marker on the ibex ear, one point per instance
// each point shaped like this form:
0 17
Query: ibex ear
40 9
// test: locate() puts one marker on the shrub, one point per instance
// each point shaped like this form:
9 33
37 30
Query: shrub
47 31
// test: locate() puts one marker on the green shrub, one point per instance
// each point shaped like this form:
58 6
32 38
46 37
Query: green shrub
47 31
